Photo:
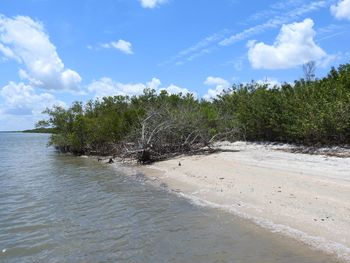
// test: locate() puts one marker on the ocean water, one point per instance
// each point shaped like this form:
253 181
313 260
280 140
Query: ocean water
60 208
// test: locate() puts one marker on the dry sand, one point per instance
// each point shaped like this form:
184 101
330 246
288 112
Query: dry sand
306 197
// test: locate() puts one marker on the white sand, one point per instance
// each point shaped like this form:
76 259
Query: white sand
306 197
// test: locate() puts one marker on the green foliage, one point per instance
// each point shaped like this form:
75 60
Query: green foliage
307 112
99 125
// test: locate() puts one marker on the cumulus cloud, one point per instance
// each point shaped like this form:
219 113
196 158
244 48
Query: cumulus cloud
219 85
270 82
25 41
107 87
341 10
152 3
21 99
121 45
275 21
293 47
282 12
154 84
173 89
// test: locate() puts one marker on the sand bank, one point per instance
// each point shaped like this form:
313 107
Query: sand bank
306 197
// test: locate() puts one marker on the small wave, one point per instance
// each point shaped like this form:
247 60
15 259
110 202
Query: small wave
341 251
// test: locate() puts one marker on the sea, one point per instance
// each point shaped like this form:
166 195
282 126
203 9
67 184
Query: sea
61 208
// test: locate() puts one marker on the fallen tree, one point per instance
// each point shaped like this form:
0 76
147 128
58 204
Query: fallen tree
166 132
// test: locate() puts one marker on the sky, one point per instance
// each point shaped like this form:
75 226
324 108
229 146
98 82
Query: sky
55 52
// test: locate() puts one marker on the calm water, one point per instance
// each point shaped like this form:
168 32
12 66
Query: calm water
57 208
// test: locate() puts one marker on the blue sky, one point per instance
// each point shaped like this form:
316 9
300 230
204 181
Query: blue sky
57 52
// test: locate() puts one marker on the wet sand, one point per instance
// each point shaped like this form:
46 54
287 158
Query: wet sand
306 197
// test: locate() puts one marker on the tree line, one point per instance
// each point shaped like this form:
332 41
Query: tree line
154 126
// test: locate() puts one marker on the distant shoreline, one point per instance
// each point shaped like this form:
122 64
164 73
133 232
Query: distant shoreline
40 130
302 196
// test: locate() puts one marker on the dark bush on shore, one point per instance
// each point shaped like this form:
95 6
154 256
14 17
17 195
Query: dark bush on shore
156 126
148 127
307 112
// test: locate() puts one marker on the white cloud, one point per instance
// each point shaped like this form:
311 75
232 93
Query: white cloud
294 46
152 3
220 85
107 87
26 41
173 89
216 81
274 22
331 31
21 99
270 82
284 12
275 8
341 10
154 84
8 53
197 50
121 45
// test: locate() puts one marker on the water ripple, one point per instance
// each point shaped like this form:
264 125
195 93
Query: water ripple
58 208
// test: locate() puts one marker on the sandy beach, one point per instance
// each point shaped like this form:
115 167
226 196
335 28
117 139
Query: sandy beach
305 197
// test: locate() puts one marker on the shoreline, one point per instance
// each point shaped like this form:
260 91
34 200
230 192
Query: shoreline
300 196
